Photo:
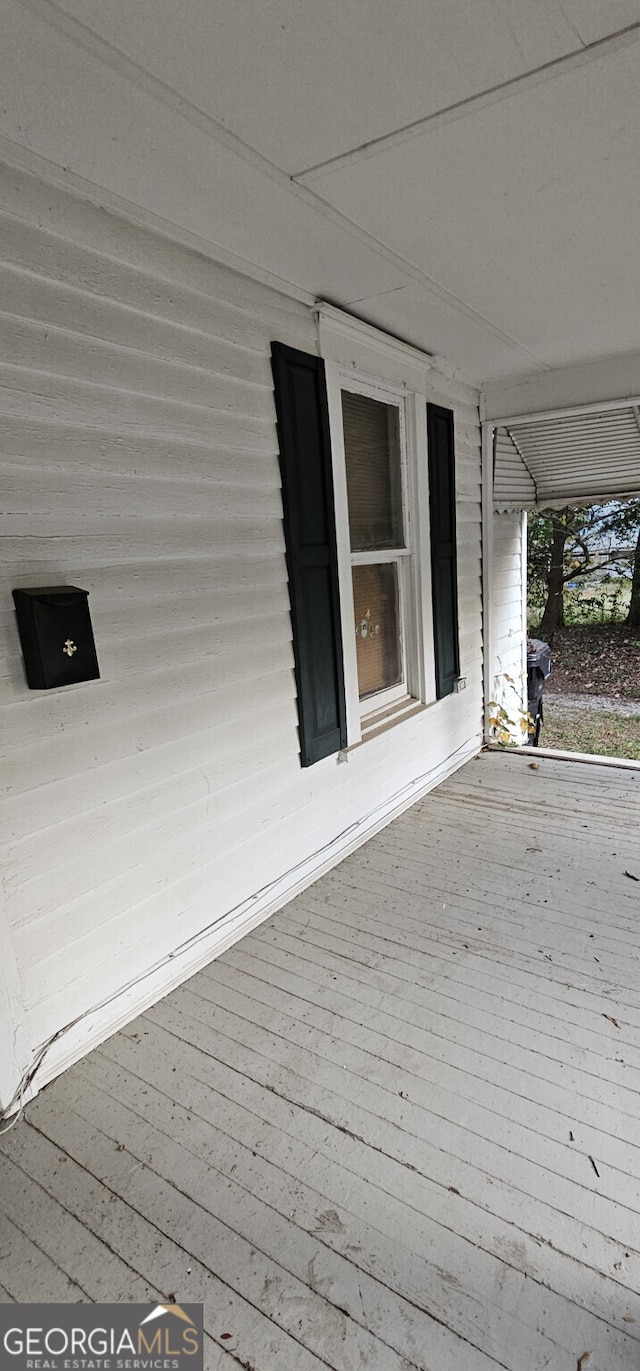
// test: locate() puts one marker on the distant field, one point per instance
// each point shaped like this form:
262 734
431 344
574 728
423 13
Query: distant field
592 603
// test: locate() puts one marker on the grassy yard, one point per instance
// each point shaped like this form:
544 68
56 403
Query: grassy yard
604 734
594 660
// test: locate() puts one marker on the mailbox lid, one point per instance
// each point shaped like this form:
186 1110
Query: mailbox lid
56 636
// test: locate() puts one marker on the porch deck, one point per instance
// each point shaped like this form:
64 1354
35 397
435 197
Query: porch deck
398 1126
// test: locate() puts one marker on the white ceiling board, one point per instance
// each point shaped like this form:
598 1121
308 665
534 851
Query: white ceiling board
529 210
303 82
594 19
429 321
607 380
65 107
525 212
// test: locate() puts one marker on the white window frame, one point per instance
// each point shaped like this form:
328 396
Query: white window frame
359 358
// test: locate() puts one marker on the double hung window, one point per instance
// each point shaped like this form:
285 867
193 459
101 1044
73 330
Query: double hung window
373 454
365 544
381 568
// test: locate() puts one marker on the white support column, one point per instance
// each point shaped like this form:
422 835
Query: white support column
487 568
15 1048
523 573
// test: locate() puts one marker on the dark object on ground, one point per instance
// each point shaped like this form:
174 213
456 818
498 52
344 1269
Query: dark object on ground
538 669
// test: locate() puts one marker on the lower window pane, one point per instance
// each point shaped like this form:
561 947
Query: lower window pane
378 650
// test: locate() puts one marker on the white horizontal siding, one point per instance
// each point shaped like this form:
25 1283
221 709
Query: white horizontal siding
143 811
513 484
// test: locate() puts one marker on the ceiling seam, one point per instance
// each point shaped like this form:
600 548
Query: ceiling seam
528 80
379 295
79 33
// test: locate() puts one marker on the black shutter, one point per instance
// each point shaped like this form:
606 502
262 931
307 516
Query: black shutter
312 562
442 501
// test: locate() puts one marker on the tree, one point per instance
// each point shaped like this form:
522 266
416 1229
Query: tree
624 523
569 543
633 617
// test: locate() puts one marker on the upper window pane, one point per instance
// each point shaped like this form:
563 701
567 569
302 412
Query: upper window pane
374 477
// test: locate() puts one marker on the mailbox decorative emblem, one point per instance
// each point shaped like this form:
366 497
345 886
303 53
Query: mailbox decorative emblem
69 647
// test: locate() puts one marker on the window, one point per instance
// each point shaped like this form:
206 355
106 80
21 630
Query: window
374 445
370 641
373 465
379 441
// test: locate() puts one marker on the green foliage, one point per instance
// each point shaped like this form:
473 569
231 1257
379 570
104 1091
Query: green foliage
589 602
597 604
580 546
540 525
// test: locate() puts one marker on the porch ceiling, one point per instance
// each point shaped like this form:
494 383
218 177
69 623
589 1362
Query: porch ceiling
463 174
397 1125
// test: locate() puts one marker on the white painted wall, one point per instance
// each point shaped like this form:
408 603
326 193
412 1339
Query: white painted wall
509 675
151 817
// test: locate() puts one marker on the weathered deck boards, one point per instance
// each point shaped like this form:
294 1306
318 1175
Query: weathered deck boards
396 1127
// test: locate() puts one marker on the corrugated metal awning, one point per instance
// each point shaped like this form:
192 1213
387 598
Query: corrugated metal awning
569 458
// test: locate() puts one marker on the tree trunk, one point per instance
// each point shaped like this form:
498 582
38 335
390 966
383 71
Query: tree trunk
633 617
553 616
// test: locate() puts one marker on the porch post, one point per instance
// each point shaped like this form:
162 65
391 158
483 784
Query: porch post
488 430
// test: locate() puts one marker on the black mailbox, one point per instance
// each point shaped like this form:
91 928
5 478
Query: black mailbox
56 636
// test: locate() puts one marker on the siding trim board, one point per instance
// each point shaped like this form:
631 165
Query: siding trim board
159 492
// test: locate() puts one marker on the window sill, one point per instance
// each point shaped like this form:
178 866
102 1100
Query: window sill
383 719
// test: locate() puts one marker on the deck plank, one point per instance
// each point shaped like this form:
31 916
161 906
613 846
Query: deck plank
557 1153
445 1016
30 1274
88 1261
181 1192
398 1125
137 1239
378 1192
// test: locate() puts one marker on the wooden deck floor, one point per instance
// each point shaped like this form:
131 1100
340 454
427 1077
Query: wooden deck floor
396 1127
